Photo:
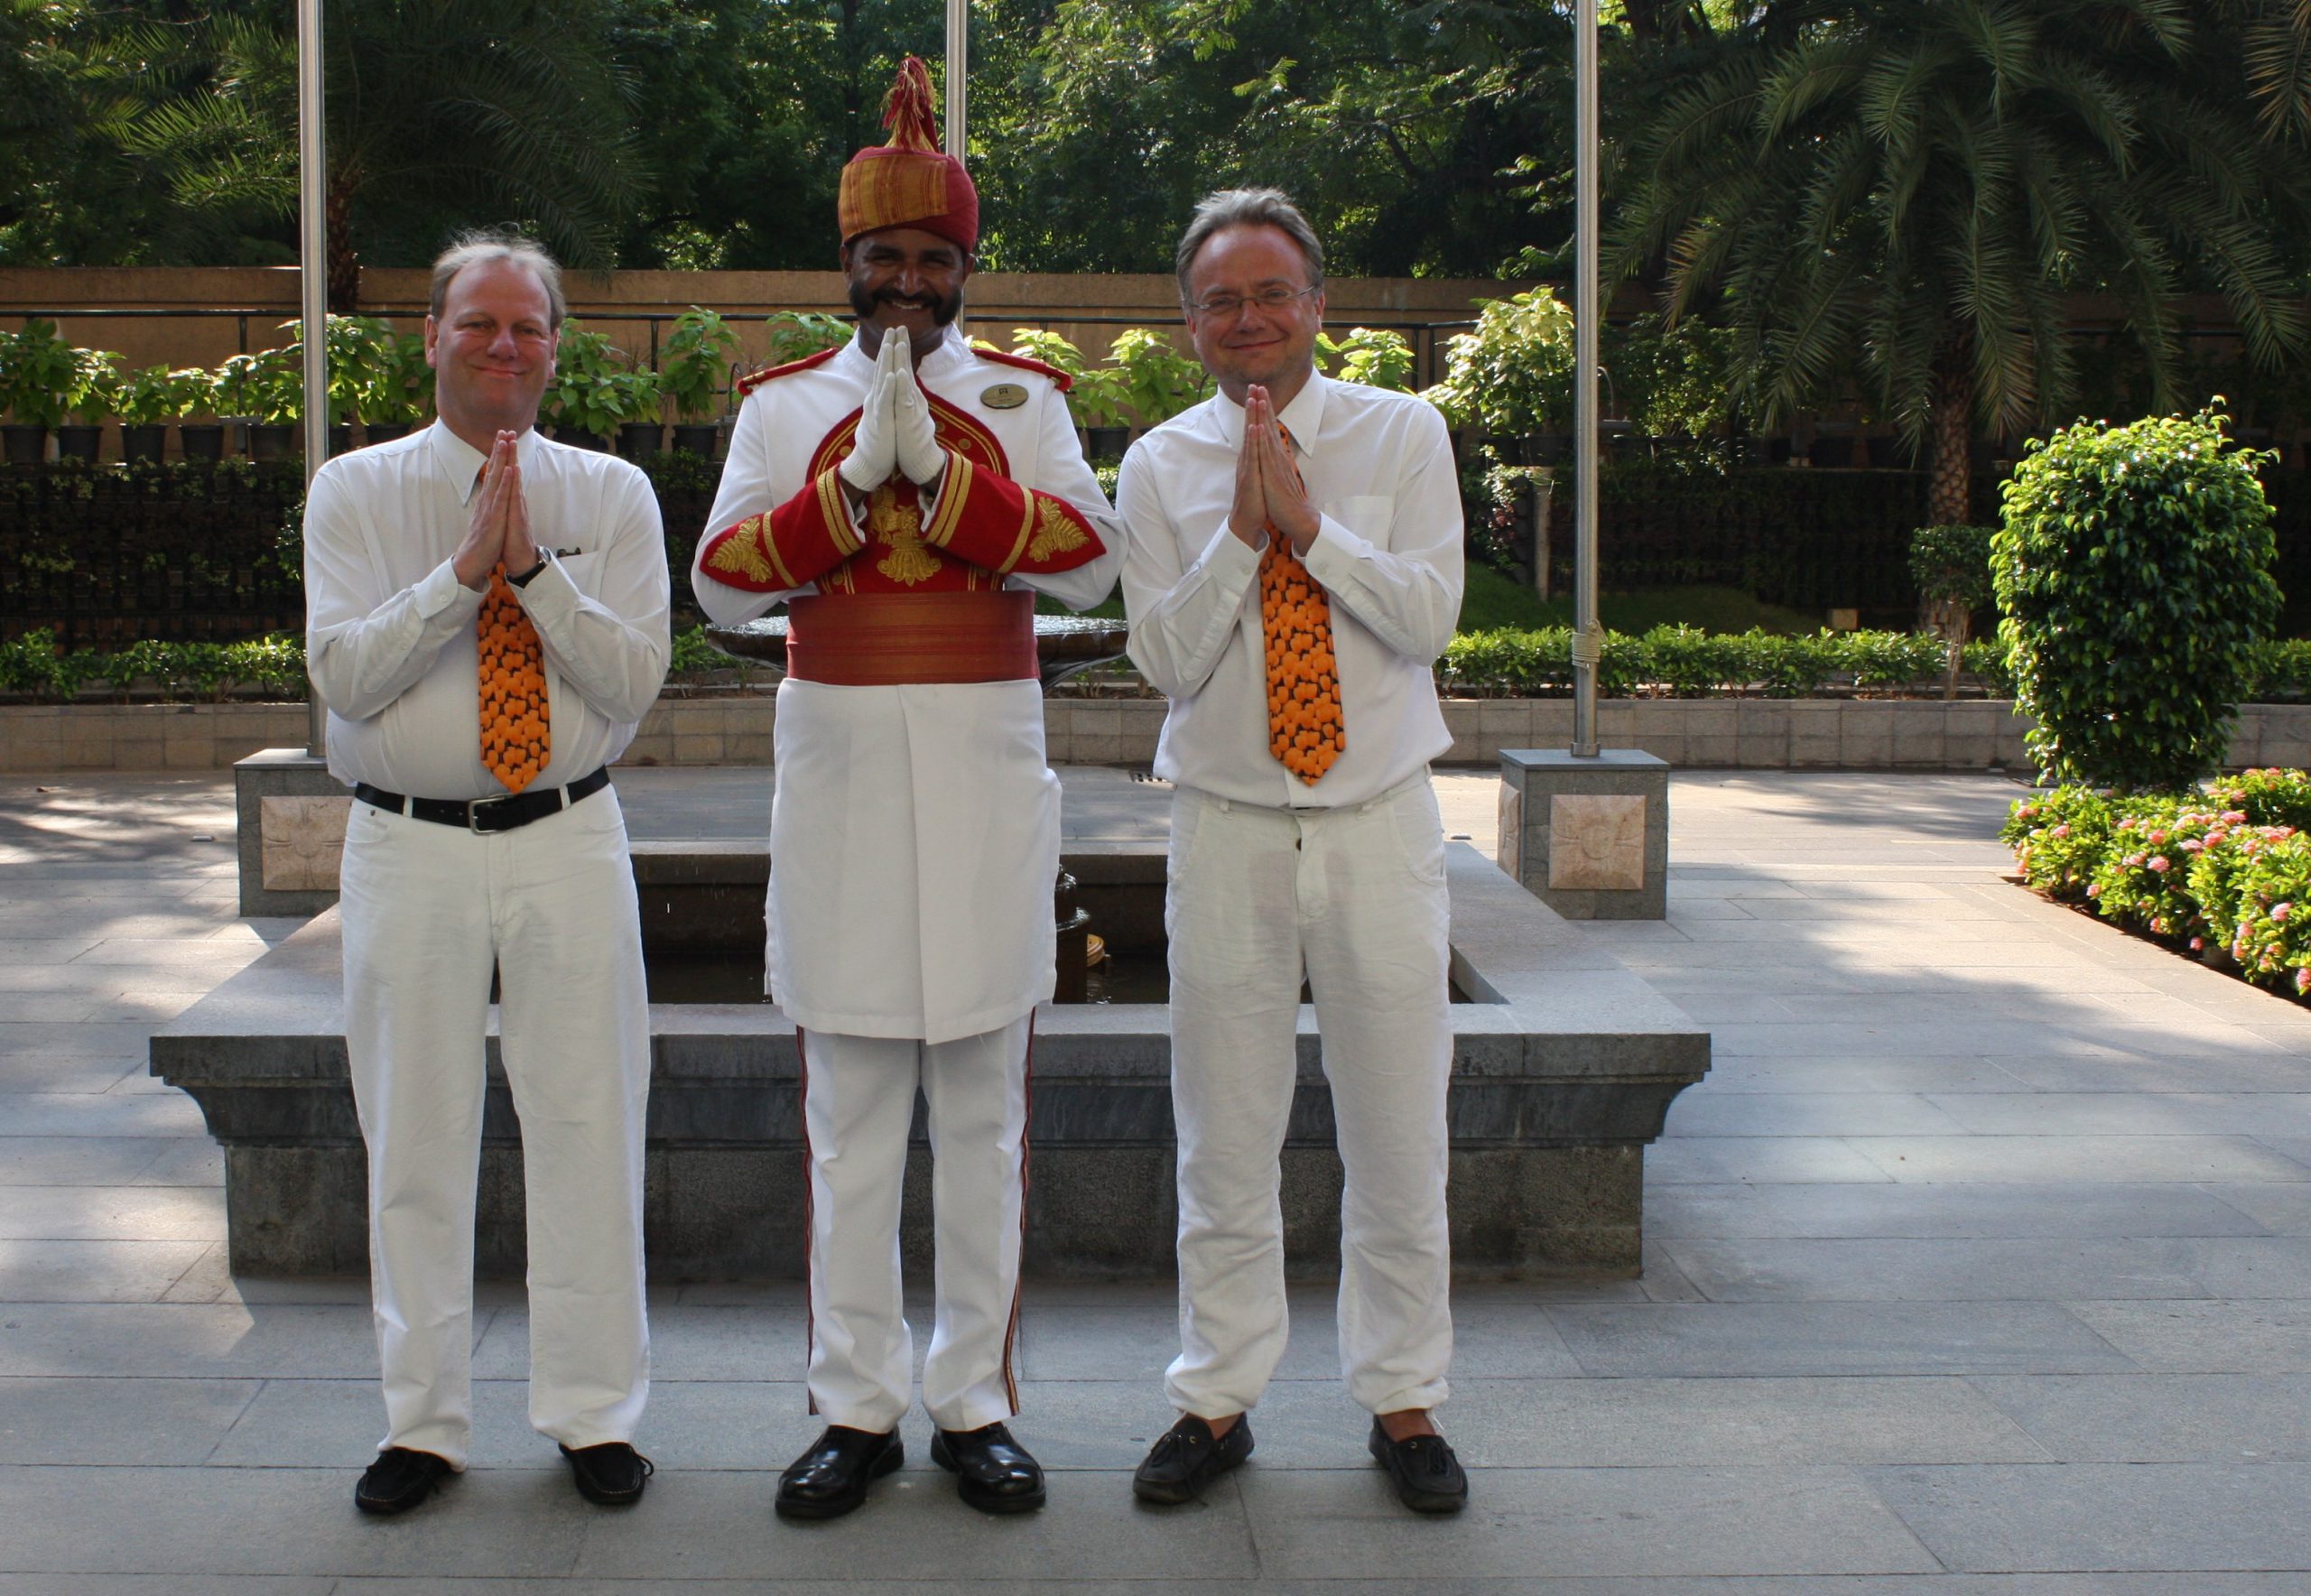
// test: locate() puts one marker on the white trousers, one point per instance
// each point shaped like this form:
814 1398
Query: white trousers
1355 899
427 909
858 1106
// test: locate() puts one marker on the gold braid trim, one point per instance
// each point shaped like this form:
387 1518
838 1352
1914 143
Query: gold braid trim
1019 543
951 495
748 551
836 511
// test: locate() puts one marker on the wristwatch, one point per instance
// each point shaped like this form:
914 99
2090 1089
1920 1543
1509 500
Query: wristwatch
545 558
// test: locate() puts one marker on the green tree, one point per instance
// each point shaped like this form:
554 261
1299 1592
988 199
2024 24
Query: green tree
1908 190
442 113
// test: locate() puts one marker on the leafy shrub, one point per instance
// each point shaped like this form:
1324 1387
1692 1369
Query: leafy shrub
2133 571
1514 372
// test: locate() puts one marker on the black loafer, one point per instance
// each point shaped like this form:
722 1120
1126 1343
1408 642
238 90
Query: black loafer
1187 1457
398 1479
831 1477
1427 1477
993 1472
611 1473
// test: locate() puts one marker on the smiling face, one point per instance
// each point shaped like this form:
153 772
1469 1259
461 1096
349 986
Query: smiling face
491 350
906 277
1276 349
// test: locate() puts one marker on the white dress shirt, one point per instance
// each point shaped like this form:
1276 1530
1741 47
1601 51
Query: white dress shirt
1379 467
390 631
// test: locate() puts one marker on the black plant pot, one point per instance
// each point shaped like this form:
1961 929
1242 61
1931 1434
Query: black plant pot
274 441
1107 444
202 441
385 431
24 445
144 443
79 442
576 439
698 437
340 438
639 440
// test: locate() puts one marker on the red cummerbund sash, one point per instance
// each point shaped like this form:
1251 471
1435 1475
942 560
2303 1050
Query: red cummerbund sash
891 639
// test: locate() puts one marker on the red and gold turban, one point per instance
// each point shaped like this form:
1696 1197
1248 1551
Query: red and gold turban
909 182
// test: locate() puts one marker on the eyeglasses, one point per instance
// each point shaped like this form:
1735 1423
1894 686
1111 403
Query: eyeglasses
1273 298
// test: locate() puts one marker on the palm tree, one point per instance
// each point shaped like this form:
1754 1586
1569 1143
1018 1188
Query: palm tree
1914 189
440 113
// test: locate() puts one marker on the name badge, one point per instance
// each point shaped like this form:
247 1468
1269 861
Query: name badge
1004 396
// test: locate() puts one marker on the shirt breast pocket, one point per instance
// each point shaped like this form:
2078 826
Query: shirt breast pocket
1367 514
584 572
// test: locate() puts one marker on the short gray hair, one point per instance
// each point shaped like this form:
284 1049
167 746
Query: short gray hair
490 245
1248 207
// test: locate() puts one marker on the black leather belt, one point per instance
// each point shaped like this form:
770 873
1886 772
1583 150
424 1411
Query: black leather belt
507 812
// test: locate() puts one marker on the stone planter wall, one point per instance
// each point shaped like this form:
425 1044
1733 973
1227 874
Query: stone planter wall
734 728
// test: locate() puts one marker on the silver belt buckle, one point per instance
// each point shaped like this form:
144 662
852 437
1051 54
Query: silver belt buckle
475 809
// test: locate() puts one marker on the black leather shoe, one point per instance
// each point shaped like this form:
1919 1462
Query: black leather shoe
831 1477
398 1479
1187 1457
1427 1477
992 1471
611 1473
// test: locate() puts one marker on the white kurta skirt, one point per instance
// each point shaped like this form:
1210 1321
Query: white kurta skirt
914 841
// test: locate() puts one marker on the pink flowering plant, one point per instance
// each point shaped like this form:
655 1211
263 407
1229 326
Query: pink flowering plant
2221 871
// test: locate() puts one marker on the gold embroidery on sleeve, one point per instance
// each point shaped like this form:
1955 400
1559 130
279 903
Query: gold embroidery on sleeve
1055 532
747 552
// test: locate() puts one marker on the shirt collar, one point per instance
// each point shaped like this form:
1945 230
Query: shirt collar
461 462
1303 418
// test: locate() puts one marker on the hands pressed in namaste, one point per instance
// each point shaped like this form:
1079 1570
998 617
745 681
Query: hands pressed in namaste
1268 489
498 528
895 432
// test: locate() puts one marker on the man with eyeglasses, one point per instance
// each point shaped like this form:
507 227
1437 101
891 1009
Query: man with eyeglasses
1293 569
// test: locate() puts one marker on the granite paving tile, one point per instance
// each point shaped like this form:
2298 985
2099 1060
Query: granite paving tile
89 1421
111 1213
1992 1270
2080 1158
76 1160
2150 1517
1622 1341
108 1271
1894 1209
2160 1418
1779 1521
2205 1337
1704 1111
1716 1160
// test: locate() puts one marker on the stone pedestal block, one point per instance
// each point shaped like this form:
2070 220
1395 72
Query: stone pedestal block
1590 838
291 814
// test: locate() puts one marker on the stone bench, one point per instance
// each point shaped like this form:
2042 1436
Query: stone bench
1565 1064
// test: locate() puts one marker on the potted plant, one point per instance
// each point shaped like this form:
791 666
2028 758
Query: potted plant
37 372
277 400
147 400
95 392
1511 377
691 363
1095 399
580 403
235 398
1378 356
636 397
400 390
194 392
797 335
1156 381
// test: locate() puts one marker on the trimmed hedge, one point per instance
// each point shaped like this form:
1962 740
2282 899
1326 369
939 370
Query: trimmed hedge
2221 871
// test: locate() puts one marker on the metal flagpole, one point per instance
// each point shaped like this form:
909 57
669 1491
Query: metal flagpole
312 259
958 50
1588 636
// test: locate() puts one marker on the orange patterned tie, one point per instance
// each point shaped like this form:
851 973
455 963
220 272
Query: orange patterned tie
516 740
1304 728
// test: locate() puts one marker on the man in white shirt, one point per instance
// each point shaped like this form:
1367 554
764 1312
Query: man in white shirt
488 621
1293 569
905 496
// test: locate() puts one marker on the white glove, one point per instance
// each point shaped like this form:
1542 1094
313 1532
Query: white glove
916 436
874 452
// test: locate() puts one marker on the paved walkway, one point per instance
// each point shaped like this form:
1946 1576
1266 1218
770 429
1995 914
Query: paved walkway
1981 1262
